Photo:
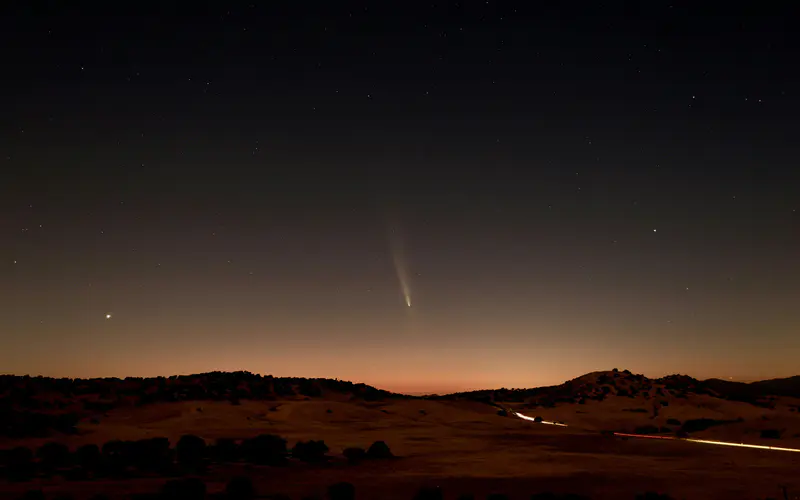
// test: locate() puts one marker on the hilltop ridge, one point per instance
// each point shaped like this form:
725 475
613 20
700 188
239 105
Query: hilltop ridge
599 385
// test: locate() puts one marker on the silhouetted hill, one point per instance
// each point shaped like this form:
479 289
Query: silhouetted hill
34 406
741 391
600 385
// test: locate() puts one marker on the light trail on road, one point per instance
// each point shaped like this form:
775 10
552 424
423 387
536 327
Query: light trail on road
525 417
710 441
672 438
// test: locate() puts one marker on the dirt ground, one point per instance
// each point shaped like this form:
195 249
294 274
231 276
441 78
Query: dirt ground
462 446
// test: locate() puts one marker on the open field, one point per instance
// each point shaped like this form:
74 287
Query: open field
463 446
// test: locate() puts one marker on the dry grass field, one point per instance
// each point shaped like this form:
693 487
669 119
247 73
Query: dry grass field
466 447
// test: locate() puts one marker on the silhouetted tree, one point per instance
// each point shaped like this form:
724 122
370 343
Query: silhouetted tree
265 449
342 491
151 454
53 456
379 449
34 495
19 464
190 450
240 488
310 451
88 456
354 455
651 495
429 493
190 488
224 450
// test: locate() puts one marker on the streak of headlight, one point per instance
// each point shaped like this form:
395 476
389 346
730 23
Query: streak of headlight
709 441
525 417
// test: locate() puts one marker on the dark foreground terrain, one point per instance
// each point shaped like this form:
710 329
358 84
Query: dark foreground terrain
311 435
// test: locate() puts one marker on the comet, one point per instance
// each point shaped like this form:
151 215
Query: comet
400 267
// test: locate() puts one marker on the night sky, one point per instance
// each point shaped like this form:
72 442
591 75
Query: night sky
558 189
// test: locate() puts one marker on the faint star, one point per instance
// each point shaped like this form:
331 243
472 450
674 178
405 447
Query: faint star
108 316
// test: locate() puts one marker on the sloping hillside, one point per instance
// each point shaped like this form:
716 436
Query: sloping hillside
37 406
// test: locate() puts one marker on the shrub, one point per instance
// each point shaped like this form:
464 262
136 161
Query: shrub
34 495
379 449
53 456
19 465
554 496
184 489
429 493
354 455
240 488
771 434
224 450
150 454
190 450
310 451
342 491
673 421
701 424
88 456
538 419
651 495
265 449
502 413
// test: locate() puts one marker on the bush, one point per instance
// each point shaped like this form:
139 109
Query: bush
224 450
554 496
240 488
190 450
701 424
342 491
19 464
150 454
88 456
651 495
771 434
379 450
430 493
265 449
502 413
310 451
673 421
34 495
354 455
184 489
53 456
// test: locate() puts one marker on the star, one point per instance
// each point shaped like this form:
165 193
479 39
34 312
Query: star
108 316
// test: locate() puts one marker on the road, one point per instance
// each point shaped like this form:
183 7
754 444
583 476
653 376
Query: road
672 438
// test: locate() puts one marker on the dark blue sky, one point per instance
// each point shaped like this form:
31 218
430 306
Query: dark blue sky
577 187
